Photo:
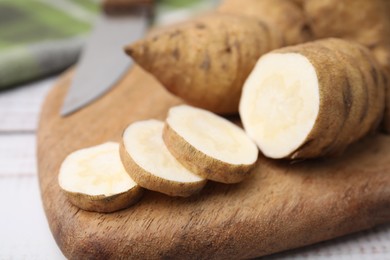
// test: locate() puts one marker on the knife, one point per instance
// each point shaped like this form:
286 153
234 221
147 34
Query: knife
103 62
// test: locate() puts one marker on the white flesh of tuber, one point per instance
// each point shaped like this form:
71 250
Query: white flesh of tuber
280 103
149 162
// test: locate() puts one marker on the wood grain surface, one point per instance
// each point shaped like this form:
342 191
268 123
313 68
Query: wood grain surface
281 206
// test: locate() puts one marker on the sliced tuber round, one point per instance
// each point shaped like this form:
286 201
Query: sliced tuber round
149 163
209 145
94 179
313 99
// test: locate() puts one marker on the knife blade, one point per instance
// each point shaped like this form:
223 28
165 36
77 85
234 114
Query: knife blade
103 62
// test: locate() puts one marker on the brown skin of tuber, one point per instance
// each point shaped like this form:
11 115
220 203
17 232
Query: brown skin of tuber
206 61
366 22
352 95
283 15
105 204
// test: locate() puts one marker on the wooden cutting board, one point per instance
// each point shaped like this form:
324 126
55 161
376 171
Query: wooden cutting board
283 205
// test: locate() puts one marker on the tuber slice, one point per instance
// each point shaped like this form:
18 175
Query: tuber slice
94 179
209 145
313 99
150 164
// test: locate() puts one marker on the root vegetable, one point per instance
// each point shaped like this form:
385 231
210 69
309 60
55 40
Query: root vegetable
206 61
281 15
209 145
149 163
366 22
94 179
313 99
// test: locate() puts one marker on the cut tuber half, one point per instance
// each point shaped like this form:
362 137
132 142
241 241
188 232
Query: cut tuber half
209 145
151 165
94 179
313 99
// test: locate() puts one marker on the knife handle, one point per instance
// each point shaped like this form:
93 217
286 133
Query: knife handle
116 7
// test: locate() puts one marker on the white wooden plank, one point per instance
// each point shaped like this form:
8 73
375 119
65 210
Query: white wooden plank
17 155
20 107
24 232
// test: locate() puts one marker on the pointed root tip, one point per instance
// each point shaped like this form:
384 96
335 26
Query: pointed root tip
129 50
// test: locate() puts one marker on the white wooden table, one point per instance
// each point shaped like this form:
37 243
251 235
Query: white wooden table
24 232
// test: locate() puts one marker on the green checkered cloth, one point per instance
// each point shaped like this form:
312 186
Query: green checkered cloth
43 37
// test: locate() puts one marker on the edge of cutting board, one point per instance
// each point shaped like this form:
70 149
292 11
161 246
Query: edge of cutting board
281 206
